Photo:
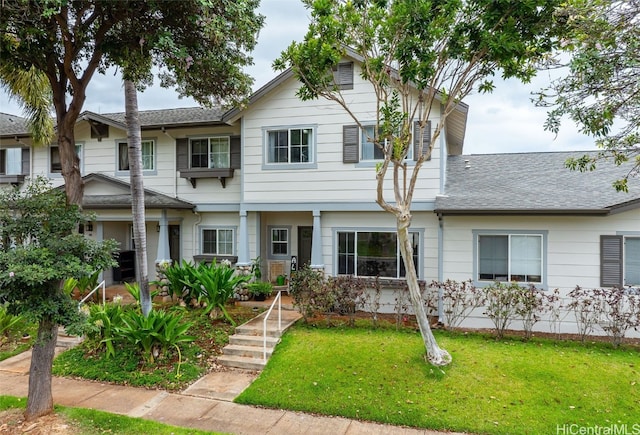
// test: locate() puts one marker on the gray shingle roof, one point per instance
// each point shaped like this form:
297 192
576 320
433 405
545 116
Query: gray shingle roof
169 117
152 200
12 125
532 183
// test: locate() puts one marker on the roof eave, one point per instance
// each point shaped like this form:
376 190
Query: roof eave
522 212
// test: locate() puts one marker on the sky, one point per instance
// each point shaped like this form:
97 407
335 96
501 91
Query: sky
504 121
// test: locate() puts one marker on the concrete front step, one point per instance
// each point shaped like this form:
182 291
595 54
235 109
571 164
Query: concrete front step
255 330
248 351
253 340
245 348
241 362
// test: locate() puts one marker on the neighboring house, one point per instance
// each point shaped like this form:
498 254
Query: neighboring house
284 179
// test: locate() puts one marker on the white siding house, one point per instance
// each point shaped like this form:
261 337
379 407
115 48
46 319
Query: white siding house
281 178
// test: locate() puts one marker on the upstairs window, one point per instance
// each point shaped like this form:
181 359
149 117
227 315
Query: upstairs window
54 158
11 161
292 146
148 156
211 152
358 143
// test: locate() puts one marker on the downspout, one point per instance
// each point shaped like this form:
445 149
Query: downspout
195 234
440 263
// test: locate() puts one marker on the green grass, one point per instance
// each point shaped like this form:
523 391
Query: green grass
90 421
497 387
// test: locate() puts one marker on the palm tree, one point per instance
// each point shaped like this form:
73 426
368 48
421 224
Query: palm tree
134 138
32 90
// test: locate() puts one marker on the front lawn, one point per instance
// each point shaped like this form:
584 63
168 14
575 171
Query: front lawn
497 387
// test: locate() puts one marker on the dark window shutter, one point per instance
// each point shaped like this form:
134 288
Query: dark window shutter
182 154
426 139
350 143
234 151
26 153
343 75
3 162
611 261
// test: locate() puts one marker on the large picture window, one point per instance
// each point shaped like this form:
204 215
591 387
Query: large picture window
210 152
510 257
148 155
373 253
290 146
218 241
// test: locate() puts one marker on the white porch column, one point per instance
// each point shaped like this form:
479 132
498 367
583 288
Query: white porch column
243 241
164 254
316 243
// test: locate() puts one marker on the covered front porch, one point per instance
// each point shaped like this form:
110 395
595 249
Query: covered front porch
109 199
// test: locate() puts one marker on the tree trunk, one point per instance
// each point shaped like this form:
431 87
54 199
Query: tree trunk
134 137
435 355
40 398
73 184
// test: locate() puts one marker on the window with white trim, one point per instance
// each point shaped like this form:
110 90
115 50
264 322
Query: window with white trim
55 166
211 152
279 242
510 257
11 161
290 145
218 241
369 150
148 149
632 261
374 253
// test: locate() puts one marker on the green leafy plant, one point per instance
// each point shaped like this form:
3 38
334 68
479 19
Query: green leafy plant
218 282
155 333
8 322
103 323
134 291
260 289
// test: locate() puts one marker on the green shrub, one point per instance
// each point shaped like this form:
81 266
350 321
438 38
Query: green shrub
209 285
304 286
9 323
103 324
502 304
155 333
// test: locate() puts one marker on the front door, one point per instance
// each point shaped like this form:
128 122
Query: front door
174 243
305 235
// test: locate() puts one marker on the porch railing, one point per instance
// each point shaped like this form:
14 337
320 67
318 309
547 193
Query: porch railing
104 294
277 299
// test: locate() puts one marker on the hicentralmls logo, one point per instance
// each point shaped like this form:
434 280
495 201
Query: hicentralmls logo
612 429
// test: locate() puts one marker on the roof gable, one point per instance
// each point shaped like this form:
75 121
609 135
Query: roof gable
104 192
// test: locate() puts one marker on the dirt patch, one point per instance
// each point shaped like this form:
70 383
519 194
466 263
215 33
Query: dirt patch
12 423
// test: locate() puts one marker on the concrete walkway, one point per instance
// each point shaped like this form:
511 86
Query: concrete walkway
206 404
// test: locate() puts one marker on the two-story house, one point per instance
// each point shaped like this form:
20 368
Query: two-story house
282 179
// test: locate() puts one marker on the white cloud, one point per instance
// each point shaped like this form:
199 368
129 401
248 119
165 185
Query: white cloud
504 121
